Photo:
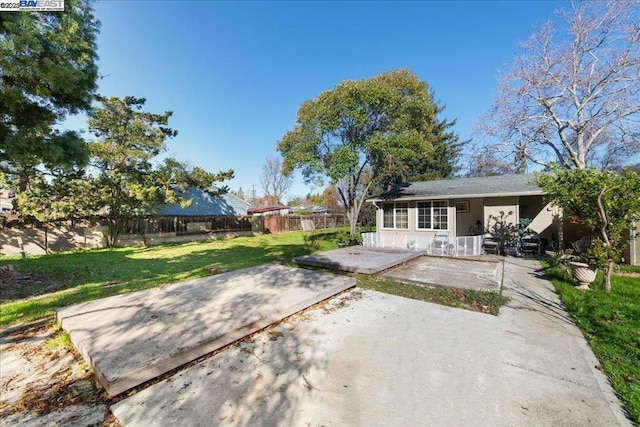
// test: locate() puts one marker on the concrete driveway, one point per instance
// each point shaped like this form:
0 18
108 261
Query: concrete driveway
366 358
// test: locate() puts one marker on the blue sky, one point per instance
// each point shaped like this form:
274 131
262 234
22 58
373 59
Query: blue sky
235 73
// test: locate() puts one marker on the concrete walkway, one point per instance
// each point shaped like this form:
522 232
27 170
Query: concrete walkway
367 358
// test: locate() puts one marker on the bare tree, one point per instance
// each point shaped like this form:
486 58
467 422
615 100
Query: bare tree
572 96
275 184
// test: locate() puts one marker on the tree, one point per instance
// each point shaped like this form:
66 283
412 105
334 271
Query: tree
275 184
239 193
361 134
127 184
315 199
298 201
605 202
447 148
572 96
485 163
330 198
47 70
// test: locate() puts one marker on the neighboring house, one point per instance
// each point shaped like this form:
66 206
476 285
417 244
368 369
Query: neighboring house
269 211
204 205
455 212
316 210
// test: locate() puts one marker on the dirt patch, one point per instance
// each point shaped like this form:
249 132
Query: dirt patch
15 284
43 385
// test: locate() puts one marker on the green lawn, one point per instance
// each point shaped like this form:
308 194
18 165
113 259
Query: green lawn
71 277
53 281
610 322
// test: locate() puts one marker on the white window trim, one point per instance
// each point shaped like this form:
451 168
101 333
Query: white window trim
395 222
431 202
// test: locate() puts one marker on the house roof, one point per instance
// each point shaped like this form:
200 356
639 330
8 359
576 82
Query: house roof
203 204
257 210
465 188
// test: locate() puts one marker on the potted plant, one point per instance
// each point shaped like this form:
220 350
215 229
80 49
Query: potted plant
583 274
584 268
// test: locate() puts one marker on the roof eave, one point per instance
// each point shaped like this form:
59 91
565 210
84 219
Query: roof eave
458 196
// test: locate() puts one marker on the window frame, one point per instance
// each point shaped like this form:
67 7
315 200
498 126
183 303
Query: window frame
396 207
431 210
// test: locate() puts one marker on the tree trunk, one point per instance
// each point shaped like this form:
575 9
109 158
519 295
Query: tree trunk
112 233
353 219
606 283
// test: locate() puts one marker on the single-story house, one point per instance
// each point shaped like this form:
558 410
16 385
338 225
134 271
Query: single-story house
203 204
205 213
453 215
456 212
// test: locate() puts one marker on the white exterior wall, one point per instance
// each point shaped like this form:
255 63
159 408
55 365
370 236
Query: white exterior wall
459 223
545 217
412 236
494 205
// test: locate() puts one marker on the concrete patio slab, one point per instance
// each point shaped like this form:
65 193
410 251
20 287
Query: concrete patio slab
461 273
366 358
358 259
130 339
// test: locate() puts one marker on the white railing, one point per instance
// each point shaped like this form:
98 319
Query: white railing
463 246
469 245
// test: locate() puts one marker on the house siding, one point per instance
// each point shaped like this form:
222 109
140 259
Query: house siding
544 219
494 205
401 238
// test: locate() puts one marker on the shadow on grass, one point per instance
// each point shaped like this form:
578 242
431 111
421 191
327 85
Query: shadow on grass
72 277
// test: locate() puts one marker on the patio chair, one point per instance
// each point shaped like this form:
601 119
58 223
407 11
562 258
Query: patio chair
441 243
490 244
530 243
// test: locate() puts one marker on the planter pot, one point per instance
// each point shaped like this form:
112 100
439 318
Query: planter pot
582 274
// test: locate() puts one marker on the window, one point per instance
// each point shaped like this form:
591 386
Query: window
433 215
387 221
395 215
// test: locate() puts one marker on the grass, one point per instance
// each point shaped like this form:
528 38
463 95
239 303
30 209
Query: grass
53 281
485 302
628 268
59 340
610 322
72 277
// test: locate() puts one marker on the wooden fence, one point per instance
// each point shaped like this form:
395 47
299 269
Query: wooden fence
41 238
282 224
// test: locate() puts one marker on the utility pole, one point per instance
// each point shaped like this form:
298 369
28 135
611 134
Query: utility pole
253 194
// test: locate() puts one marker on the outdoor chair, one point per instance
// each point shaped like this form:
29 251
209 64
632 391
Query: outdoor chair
441 243
530 243
490 244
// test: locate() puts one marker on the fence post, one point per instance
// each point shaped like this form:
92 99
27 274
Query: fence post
22 252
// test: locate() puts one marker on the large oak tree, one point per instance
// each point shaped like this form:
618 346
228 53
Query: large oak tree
365 133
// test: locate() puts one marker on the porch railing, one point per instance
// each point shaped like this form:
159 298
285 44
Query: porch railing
461 246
